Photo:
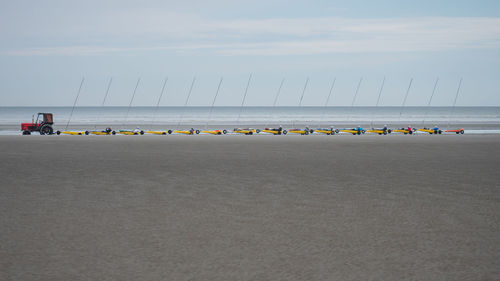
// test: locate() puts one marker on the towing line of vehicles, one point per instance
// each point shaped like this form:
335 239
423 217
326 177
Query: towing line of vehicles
44 125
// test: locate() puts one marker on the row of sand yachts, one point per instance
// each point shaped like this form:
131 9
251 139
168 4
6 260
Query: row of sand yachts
273 131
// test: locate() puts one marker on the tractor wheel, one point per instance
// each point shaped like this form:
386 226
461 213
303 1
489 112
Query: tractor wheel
113 133
58 133
250 133
462 132
337 131
46 130
197 132
224 132
385 132
169 132
141 132
87 133
410 132
311 131
458 133
389 131
285 132
163 133
26 132
440 132
219 133
257 131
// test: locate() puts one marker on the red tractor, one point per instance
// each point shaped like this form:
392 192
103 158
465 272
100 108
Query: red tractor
43 124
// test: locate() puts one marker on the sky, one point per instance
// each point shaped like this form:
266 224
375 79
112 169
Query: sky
48 47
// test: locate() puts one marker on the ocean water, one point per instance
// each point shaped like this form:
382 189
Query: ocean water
153 117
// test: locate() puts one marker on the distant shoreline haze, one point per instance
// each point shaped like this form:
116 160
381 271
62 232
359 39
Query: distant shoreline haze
253 114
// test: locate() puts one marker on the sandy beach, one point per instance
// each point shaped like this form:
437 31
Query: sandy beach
250 207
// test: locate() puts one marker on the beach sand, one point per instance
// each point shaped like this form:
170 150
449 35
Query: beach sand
250 207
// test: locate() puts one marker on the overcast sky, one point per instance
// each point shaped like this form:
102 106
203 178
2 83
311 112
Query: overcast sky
48 46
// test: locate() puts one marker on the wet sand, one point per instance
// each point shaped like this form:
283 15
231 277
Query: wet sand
250 207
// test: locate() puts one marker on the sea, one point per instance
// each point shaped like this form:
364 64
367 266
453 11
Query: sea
151 117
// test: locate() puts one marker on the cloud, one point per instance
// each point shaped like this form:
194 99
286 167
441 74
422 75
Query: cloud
125 33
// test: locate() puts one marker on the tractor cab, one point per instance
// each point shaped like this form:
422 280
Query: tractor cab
48 118
43 124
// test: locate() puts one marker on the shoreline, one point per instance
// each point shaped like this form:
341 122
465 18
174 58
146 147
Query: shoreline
230 127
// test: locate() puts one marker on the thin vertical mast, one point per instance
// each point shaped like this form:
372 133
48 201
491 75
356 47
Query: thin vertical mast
455 101
404 100
158 102
131 100
303 92
186 102
103 102
327 100
276 98
278 93
74 104
430 100
213 102
378 99
243 101
301 98
354 98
